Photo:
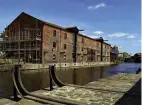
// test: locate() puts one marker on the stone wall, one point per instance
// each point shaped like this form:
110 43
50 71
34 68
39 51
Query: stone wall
65 65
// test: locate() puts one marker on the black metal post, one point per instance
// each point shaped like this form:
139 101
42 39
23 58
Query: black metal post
50 78
74 47
101 50
15 93
14 88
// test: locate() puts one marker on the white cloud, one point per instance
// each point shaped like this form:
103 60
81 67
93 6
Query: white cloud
131 37
101 5
98 32
96 36
92 36
119 47
140 41
118 34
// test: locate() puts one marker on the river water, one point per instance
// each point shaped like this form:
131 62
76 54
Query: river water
34 80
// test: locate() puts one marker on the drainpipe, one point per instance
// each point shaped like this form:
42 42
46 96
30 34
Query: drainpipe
102 50
75 46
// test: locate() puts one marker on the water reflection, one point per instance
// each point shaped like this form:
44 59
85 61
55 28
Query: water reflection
34 80
124 68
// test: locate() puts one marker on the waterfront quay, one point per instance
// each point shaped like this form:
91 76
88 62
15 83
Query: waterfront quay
121 89
28 66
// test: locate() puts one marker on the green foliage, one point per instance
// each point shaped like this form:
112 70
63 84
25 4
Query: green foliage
2 63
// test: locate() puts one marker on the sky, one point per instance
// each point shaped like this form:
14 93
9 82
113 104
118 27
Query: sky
117 21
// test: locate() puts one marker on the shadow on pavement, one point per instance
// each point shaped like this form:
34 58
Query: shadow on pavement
132 97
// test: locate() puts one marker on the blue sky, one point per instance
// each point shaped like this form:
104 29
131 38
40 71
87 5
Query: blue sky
115 20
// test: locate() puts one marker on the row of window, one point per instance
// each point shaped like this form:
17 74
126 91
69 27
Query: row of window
55 33
106 47
65 46
64 57
54 57
54 45
65 37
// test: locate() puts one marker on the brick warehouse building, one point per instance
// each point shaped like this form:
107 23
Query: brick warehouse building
36 41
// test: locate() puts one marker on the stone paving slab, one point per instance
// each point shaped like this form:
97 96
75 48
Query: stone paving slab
21 102
97 97
112 86
124 77
86 96
4 101
27 102
120 83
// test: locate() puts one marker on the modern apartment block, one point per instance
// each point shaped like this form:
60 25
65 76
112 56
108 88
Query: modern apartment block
36 41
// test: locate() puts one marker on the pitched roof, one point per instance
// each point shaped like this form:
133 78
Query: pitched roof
48 23
57 26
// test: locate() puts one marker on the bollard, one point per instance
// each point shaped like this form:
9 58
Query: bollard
50 78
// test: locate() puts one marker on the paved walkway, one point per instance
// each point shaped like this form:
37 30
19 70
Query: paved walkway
122 89
106 91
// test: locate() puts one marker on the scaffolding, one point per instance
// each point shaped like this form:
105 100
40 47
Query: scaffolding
23 44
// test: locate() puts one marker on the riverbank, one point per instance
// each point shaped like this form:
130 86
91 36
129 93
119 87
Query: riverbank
118 89
28 66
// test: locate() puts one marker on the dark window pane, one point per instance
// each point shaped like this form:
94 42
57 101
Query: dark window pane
65 46
54 33
64 57
54 44
82 40
54 57
65 36
82 48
